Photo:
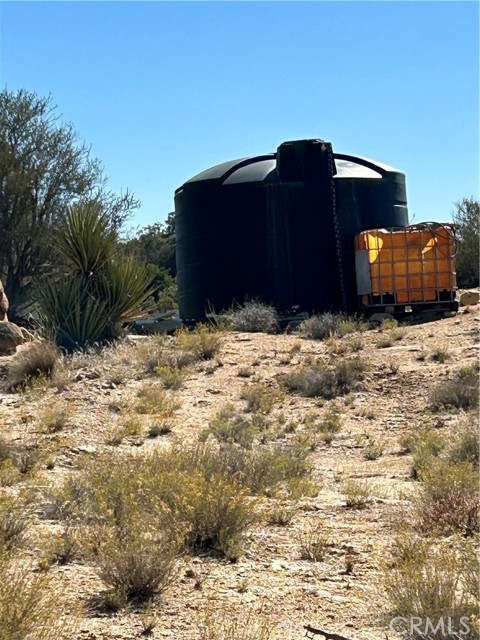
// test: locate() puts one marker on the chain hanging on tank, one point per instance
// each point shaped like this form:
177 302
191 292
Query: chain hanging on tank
336 225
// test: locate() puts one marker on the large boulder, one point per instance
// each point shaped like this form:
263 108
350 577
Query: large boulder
10 337
469 298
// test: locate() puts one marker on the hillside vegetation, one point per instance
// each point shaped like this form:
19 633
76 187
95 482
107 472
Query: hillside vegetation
227 485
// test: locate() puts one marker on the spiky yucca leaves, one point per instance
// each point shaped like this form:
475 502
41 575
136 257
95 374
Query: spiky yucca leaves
74 316
87 240
101 290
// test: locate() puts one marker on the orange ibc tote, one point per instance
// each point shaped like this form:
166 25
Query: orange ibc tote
401 266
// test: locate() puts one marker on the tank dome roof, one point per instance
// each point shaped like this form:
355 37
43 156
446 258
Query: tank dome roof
264 169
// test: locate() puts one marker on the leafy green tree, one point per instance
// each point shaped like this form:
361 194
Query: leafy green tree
155 244
467 218
44 168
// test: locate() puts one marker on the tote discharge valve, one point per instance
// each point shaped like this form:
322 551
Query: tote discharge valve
309 229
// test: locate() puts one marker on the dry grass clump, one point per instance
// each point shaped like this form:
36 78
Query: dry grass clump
465 444
316 380
254 317
230 427
281 514
314 542
431 585
328 325
29 605
259 398
238 625
460 392
37 359
14 523
203 342
135 560
152 399
358 493
54 417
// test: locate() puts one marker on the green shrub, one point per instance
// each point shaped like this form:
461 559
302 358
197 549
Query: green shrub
327 325
466 216
460 392
319 381
254 317
191 492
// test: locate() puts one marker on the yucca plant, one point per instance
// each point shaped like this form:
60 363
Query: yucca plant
100 290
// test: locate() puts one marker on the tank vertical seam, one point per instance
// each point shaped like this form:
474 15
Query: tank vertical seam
336 227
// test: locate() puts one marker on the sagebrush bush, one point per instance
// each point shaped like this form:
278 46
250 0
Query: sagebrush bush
230 427
193 492
327 325
254 317
428 583
460 392
317 380
449 500
38 359
136 560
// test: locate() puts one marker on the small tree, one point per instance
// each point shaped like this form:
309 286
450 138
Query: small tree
44 168
467 217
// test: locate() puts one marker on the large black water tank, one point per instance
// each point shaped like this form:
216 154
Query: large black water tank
280 228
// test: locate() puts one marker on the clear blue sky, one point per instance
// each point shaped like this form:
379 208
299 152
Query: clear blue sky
163 90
